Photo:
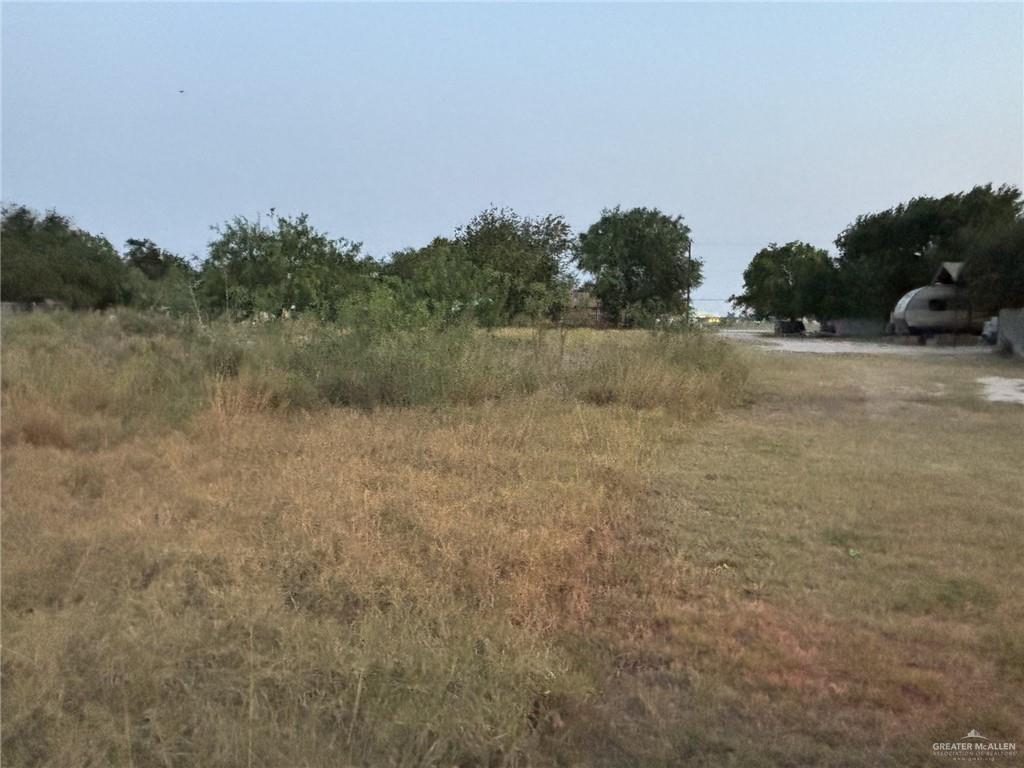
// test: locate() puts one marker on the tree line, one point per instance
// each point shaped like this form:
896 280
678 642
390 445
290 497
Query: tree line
497 268
501 267
881 256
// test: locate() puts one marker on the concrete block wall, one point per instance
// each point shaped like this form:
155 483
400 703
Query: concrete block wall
1011 331
858 326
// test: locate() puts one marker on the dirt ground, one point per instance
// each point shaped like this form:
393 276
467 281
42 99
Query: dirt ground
994 389
826 346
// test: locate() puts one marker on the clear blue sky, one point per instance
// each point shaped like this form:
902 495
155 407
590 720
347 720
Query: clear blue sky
391 124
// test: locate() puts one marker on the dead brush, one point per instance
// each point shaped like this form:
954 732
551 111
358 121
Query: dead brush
37 424
684 373
411 581
233 398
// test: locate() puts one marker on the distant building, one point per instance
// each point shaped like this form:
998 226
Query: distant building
584 309
709 319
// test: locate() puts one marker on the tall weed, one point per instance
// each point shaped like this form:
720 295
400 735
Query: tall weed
94 380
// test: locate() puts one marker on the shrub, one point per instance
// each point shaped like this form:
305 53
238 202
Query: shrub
47 257
138 371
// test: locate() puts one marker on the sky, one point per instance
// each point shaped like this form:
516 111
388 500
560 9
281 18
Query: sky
391 124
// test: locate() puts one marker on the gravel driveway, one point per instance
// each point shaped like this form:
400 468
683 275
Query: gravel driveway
826 346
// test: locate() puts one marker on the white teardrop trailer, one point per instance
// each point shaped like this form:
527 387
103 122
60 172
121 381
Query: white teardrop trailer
942 307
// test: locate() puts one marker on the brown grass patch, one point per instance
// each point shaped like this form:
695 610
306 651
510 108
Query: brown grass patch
521 577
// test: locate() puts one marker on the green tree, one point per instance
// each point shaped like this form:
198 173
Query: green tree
639 260
883 255
995 267
47 257
159 279
519 259
444 278
257 268
787 281
152 260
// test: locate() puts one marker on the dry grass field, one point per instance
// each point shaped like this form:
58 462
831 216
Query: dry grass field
238 547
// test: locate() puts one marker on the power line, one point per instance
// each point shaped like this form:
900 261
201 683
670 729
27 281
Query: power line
739 243
729 244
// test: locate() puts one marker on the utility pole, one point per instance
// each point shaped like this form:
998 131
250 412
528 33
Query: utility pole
689 273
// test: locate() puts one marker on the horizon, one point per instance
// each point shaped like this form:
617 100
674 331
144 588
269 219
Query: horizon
391 125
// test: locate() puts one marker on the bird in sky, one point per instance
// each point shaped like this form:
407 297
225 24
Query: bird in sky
180 91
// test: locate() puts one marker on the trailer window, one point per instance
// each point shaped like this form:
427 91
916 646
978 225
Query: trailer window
937 305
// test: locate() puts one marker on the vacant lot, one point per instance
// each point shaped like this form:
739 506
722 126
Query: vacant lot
230 547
